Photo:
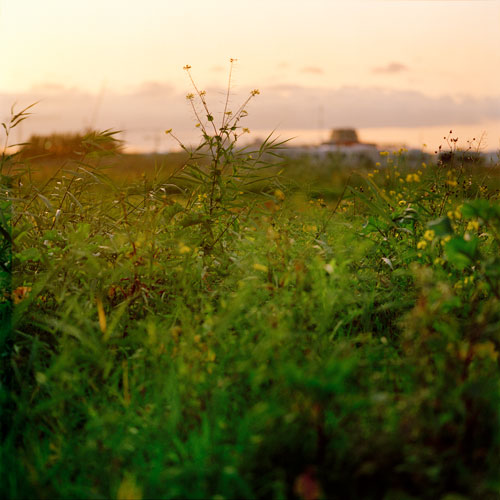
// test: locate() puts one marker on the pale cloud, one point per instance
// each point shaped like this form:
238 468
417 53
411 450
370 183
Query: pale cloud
297 107
393 67
148 110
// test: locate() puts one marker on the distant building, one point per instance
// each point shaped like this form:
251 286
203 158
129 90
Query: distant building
346 141
343 137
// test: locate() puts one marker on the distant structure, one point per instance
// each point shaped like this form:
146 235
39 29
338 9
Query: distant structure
346 141
343 137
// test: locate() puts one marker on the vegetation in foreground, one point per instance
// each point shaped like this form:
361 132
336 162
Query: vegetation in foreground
214 334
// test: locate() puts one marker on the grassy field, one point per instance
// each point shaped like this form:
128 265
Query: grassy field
232 327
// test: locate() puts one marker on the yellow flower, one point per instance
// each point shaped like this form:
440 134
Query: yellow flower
473 225
412 178
402 202
421 244
429 234
384 153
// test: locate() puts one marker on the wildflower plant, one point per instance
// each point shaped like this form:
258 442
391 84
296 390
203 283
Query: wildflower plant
219 172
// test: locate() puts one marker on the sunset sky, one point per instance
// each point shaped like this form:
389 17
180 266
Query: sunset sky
399 71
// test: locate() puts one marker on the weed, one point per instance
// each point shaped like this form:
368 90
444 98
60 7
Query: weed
219 196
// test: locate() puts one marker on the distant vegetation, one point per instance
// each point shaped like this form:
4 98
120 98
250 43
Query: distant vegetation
70 145
232 327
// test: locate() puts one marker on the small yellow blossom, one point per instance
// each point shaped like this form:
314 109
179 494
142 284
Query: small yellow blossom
429 234
468 279
402 202
412 178
473 225
422 244
384 153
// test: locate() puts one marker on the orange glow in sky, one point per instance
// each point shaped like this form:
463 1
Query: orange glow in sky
104 49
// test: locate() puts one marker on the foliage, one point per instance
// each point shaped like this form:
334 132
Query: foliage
74 145
308 347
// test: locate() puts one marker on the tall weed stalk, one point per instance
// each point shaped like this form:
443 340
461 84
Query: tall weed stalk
221 174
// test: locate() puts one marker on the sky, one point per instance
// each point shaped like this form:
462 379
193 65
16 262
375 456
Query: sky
400 71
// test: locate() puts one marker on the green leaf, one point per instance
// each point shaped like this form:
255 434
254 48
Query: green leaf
462 253
482 208
27 254
441 226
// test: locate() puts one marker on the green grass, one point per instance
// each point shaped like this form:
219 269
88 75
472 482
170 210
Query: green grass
266 342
